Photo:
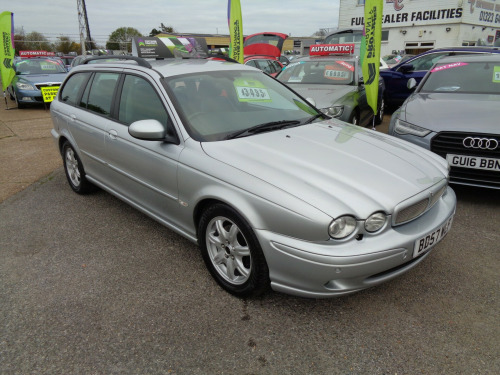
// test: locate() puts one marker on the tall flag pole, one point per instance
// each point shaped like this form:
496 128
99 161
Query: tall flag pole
370 51
235 23
6 51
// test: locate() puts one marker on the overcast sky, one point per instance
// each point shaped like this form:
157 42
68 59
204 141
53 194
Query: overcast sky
60 17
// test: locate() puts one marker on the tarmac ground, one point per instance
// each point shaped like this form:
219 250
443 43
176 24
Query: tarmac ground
88 285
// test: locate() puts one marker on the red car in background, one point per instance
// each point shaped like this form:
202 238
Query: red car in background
263 51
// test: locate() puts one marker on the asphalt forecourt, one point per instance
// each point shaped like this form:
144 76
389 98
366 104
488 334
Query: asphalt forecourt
90 285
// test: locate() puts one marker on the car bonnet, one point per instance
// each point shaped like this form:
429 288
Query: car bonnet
333 166
475 113
323 95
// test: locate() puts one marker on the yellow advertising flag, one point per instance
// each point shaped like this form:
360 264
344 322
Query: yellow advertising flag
6 48
370 50
235 30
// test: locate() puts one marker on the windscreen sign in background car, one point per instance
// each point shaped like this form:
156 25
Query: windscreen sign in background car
455 112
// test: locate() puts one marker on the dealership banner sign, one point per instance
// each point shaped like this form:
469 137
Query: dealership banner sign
370 50
235 22
7 48
169 47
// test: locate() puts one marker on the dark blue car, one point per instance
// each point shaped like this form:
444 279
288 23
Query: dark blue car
396 78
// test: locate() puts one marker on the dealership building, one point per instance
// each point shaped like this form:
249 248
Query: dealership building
415 26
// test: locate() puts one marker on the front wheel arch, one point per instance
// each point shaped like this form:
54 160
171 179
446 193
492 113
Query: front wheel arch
231 251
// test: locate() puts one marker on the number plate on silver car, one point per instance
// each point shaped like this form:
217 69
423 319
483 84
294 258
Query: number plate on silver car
431 239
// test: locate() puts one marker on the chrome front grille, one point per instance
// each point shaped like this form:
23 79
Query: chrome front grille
411 212
411 209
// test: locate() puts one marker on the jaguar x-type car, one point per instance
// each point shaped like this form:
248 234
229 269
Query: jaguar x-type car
274 193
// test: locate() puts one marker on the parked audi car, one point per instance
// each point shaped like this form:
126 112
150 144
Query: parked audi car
396 78
31 76
272 190
335 84
455 113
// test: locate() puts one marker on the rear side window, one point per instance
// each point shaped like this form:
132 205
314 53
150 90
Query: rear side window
71 90
139 101
101 92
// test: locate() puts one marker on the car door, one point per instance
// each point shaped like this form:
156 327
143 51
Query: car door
87 105
143 172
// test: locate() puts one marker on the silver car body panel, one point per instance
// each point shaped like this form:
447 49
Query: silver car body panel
287 184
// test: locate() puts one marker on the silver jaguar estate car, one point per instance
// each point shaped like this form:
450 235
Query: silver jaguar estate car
274 192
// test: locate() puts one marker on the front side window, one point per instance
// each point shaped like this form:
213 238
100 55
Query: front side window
215 106
140 101
427 61
71 90
101 93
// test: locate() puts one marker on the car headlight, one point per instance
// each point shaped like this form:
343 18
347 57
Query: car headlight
342 227
24 86
375 222
403 127
335 111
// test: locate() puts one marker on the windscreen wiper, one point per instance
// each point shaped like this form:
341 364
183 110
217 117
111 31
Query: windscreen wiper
268 126
312 118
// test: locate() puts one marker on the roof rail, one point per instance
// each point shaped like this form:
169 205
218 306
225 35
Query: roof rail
140 61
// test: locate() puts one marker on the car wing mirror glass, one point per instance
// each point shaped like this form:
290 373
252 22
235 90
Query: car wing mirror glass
412 83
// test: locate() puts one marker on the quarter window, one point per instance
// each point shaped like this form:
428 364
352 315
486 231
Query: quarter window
139 101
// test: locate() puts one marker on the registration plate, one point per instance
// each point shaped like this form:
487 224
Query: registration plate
473 162
431 239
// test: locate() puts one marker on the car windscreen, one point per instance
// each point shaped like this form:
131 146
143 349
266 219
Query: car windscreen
464 77
334 72
216 105
38 66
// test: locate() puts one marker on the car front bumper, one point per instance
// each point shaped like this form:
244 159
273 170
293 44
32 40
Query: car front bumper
331 269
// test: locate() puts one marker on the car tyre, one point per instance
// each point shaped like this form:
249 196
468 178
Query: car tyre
232 252
75 173
354 119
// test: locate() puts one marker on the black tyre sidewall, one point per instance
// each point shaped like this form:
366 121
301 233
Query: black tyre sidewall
258 281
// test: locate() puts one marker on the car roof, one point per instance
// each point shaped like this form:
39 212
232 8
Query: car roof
166 67
477 49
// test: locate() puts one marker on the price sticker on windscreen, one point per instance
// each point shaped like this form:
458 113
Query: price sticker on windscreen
496 74
251 91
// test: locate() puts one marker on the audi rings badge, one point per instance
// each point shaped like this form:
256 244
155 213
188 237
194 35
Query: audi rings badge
481 143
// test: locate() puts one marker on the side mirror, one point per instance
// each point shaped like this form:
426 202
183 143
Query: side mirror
412 83
405 68
151 130
361 81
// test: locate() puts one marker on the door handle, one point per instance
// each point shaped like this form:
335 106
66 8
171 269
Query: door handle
113 134
73 117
